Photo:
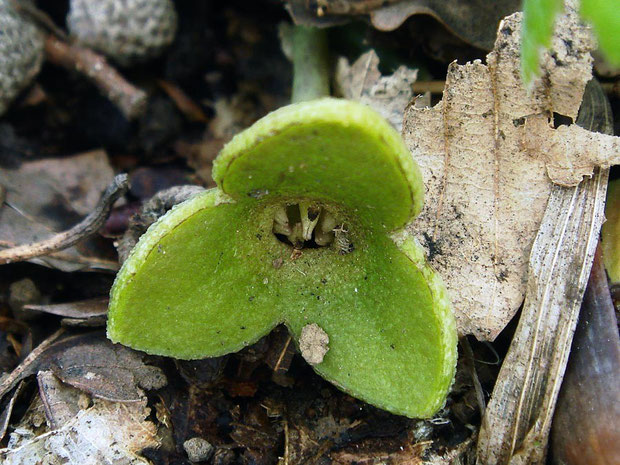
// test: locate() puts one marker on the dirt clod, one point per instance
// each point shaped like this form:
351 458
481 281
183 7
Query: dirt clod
313 343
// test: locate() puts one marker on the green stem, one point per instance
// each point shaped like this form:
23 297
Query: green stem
310 64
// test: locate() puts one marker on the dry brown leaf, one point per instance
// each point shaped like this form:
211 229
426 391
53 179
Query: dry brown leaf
485 191
388 95
105 433
90 362
60 401
48 196
89 308
474 21
516 423
570 152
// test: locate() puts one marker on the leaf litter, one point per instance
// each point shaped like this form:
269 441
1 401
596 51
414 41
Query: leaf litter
91 363
362 81
107 432
47 196
486 173
312 422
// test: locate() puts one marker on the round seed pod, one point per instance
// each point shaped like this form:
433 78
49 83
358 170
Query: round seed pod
21 53
128 31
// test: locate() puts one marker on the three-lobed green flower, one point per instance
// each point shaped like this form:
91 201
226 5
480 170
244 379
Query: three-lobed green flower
305 228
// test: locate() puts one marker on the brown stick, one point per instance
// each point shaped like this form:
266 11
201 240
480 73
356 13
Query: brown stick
128 98
83 229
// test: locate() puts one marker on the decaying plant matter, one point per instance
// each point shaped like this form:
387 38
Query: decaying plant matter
489 157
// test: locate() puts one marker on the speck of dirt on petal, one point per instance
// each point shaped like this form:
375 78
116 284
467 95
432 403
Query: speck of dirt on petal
313 343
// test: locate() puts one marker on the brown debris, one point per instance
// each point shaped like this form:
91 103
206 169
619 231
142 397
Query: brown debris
85 228
474 22
107 371
585 427
29 366
82 309
53 194
188 107
388 95
60 401
7 408
104 433
129 99
92 364
159 204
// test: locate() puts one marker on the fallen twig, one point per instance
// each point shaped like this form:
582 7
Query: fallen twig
188 107
128 98
83 229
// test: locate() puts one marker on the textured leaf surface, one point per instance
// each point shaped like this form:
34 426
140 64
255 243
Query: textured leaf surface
202 282
337 151
192 285
392 337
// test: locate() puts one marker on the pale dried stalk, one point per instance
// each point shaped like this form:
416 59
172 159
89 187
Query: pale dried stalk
516 425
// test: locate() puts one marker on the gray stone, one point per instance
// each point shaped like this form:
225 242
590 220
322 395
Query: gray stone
128 31
21 53
198 449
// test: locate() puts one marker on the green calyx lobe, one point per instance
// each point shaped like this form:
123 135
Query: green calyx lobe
337 151
211 277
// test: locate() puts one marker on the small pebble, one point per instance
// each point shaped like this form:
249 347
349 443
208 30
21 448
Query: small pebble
198 449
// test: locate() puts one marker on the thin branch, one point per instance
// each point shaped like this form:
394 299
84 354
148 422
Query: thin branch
83 229
128 98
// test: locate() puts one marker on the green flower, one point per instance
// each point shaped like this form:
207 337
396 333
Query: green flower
306 228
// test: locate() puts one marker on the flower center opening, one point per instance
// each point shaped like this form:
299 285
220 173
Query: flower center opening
308 226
